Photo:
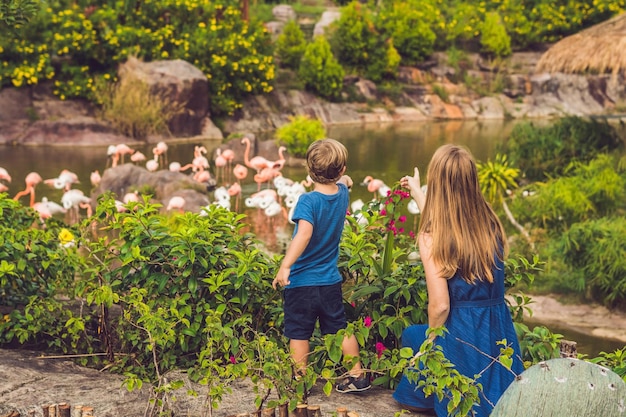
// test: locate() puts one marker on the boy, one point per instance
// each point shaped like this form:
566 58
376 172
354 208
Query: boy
309 270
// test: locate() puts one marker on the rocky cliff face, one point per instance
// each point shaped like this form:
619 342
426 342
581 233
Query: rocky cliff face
33 116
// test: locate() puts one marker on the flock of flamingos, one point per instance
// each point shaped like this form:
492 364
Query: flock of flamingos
276 194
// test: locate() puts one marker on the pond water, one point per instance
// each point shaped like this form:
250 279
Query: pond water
386 152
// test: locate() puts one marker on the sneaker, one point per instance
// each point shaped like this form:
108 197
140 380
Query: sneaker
353 384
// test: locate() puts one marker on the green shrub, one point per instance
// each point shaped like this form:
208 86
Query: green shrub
299 133
598 249
545 152
494 39
290 45
319 69
359 46
73 46
407 24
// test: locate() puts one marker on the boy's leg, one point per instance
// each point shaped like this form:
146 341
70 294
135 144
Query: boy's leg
300 353
350 348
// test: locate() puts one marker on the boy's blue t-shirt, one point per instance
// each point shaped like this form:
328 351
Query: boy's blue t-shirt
327 213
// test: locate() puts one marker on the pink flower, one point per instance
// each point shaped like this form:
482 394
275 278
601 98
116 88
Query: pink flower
380 348
383 212
232 359
412 234
367 321
353 304
402 219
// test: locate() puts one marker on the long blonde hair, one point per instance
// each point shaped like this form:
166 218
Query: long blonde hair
466 233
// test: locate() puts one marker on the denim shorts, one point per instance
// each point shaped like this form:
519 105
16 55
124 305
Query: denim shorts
303 306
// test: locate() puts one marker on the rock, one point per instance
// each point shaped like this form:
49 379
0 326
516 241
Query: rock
284 13
181 83
328 17
488 108
164 185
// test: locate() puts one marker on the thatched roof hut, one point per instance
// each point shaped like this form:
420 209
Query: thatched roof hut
598 49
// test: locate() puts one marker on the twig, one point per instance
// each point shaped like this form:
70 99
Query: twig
77 355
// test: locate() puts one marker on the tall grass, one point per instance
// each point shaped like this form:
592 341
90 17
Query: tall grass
134 110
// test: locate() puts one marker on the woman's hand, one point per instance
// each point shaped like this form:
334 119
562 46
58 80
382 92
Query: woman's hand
413 184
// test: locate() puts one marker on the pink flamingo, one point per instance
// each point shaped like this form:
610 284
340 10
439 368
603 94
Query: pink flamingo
280 162
265 175
123 149
4 175
240 172
235 191
42 210
202 176
229 155
176 203
138 157
153 164
32 179
220 163
160 151
64 181
95 178
258 162
375 186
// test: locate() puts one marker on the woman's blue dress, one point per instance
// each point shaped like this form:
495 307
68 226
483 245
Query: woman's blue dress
479 318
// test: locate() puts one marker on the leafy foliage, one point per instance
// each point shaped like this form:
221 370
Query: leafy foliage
74 45
588 191
290 45
494 39
319 69
598 250
299 133
538 344
18 12
542 153
360 46
408 24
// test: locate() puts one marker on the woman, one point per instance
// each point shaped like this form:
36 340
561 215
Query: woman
463 246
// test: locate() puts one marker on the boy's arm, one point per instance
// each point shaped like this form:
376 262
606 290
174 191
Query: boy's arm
296 248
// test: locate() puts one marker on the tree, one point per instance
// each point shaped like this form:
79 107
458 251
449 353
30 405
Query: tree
495 179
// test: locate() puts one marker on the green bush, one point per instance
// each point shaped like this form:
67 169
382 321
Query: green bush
409 27
494 39
290 45
598 249
541 153
73 45
360 47
320 71
299 133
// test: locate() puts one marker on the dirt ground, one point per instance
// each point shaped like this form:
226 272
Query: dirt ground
28 381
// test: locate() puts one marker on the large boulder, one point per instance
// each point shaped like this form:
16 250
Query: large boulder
181 83
162 185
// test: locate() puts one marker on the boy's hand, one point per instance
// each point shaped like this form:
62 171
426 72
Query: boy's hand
282 278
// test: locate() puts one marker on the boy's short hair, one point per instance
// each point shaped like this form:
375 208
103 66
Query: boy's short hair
325 160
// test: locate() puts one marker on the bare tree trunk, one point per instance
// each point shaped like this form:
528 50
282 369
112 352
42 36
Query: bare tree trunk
518 226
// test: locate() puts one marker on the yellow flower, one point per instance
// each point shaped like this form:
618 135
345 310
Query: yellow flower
66 238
